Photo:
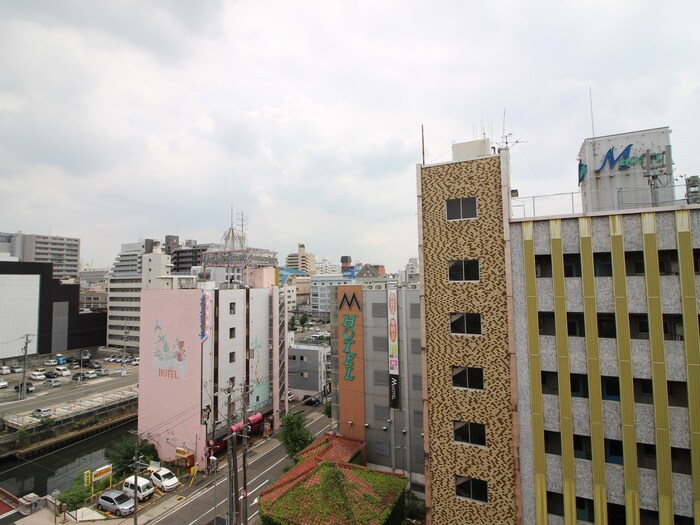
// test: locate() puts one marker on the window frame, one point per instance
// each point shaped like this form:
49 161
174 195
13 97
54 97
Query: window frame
464 272
461 481
462 208
466 371
453 317
474 433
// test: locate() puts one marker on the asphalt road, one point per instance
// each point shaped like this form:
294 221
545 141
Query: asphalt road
266 463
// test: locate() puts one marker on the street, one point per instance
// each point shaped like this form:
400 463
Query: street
266 462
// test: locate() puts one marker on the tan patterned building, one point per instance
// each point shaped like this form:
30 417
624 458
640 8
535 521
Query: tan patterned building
470 429
561 355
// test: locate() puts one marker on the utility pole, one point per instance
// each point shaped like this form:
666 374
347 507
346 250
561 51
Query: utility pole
23 390
246 429
136 483
232 465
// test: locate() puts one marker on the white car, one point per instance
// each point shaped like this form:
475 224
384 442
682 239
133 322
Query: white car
37 376
50 362
165 480
3 383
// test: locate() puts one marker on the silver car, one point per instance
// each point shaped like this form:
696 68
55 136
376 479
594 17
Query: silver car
116 502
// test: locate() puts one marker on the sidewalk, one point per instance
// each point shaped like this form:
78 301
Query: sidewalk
163 505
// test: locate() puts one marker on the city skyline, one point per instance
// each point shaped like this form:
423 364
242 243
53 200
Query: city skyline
120 123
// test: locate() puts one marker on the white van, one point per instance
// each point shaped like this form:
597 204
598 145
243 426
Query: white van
144 488
62 371
5 370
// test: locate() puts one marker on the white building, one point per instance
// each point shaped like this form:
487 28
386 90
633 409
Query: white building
325 266
320 291
62 252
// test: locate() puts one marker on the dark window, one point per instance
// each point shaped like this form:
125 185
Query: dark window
465 324
232 332
572 265
543 265
613 451
550 384
463 270
380 344
471 488
575 325
415 346
379 310
416 382
584 510
414 310
464 208
381 412
418 418
381 377
467 377
606 326
579 385
582 447
232 357
232 308
611 388
473 433
602 265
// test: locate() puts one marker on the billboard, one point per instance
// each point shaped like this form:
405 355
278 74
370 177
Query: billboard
393 336
351 361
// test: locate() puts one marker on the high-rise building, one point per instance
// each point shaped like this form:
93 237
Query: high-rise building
62 252
302 260
469 387
562 353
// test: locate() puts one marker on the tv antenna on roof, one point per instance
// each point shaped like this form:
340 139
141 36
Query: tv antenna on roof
505 137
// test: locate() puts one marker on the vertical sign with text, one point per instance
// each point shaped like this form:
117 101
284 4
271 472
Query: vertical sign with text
393 336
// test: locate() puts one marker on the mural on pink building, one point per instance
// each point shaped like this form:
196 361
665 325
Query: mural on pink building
169 355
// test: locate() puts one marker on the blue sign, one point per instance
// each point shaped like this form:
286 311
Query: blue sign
612 160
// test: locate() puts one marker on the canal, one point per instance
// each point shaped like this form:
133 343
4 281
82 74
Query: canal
59 468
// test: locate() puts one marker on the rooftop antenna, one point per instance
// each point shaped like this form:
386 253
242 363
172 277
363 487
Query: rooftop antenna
590 101
422 143
506 136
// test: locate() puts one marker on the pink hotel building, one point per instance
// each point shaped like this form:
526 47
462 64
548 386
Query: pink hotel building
199 343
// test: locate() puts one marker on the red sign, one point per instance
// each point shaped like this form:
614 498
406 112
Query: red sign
392 330
392 303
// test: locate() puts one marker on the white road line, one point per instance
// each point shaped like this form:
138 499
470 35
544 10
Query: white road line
256 488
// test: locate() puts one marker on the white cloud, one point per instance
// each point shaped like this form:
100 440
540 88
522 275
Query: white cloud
140 119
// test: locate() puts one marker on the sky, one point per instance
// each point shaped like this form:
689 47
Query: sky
126 120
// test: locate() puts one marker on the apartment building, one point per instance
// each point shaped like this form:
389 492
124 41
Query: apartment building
562 352
320 298
302 260
62 252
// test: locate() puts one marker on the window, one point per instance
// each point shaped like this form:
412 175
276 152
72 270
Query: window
232 332
464 270
416 382
232 357
471 488
611 388
232 308
304 375
582 447
380 343
472 433
379 310
465 324
414 310
613 451
579 385
415 346
381 377
467 377
381 412
464 208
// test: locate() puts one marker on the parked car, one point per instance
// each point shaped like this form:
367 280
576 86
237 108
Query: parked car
37 376
70 360
30 387
5 370
3 383
74 366
135 362
312 401
111 358
51 374
90 374
102 372
95 364
62 371
117 502
165 480
41 413
50 383
50 362
79 376
15 369
143 489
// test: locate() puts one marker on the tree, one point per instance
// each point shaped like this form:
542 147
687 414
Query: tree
294 436
121 455
327 409
304 320
292 324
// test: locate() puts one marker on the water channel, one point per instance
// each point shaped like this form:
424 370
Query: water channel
59 468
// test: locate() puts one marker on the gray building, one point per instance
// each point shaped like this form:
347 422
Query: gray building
309 369
62 252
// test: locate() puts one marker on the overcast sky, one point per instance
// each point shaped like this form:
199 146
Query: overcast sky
124 120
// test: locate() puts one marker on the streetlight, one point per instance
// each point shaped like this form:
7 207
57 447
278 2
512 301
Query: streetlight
55 494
